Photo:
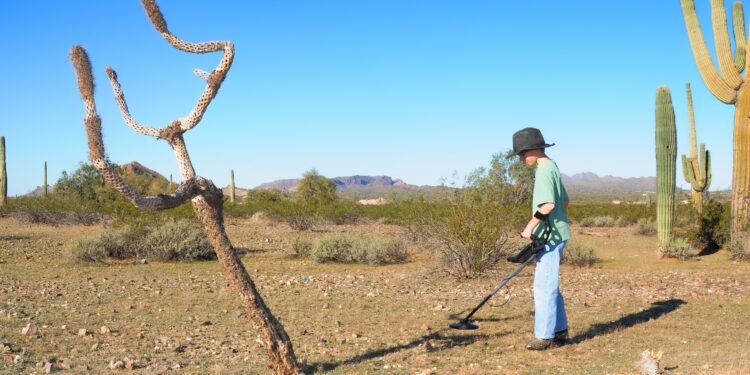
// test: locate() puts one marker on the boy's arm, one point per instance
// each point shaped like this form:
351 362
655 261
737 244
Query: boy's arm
544 209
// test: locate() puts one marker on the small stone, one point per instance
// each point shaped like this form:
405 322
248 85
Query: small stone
355 335
104 330
116 365
95 346
82 332
237 314
18 360
424 327
206 323
28 330
47 367
143 261
141 334
63 327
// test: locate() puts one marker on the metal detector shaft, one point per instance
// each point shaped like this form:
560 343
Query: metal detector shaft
497 288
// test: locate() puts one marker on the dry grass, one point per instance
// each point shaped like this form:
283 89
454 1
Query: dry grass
353 318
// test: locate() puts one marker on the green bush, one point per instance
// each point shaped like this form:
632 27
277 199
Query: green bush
579 255
600 222
678 248
178 240
301 248
713 224
737 250
646 227
469 227
340 248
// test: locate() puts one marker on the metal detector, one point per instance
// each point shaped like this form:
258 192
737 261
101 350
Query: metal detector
524 257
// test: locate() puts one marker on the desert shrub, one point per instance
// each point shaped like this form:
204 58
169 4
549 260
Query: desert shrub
380 250
469 227
579 255
175 240
300 217
315 188
340 248
645 227
301 248
737 250
54 209
678 248
600 222
333 249
711 227
179 240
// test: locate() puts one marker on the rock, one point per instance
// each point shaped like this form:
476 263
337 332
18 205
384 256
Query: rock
104 330
63 327
7 348
28 330
206 323
237 314
116 365
95 346
424 327
141 335
47 367
18 360
82 332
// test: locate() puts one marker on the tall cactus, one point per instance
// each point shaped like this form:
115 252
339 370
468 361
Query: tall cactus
666 155
697 171
3 174
45 179
231 187
728 87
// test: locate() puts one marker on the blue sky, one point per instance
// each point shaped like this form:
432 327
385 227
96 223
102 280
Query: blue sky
413 89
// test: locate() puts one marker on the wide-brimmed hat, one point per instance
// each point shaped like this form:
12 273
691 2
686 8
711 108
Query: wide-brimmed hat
528 139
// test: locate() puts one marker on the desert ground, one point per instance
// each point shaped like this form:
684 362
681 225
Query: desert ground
65 317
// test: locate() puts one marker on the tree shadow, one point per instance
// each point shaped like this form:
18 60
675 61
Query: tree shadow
656 310
488 319
709 250
14 237
441 340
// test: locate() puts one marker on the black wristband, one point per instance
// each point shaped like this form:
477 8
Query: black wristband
540 215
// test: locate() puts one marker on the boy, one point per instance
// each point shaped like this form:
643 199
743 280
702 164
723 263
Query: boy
550 202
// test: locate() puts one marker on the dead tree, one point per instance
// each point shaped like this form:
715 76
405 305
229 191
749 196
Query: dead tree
206 198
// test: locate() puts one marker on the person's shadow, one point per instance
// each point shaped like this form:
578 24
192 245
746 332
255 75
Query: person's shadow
442 341
656 310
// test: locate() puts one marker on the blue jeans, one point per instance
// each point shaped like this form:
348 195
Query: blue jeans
549 305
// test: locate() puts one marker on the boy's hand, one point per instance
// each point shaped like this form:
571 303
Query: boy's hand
526 233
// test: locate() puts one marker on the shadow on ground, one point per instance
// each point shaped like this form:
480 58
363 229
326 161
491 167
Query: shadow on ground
432 342
656 310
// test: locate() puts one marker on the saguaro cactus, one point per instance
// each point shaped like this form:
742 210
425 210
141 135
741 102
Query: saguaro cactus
206 198
695 169
3 174
666 155
728 87
45 180
231 187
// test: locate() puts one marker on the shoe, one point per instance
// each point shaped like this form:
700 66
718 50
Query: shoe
561 337
539 344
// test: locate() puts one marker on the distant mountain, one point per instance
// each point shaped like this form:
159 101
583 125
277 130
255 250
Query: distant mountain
137 168
590 184
353 185
39 191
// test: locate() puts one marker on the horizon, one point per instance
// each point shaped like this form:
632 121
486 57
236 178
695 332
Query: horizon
412 91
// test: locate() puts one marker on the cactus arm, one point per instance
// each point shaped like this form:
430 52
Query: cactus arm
123 105
723 47
213 80
740 40
687 170
93 124
3 174
716 85
705 168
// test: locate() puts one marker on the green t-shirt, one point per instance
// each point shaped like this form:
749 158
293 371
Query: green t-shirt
548 188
